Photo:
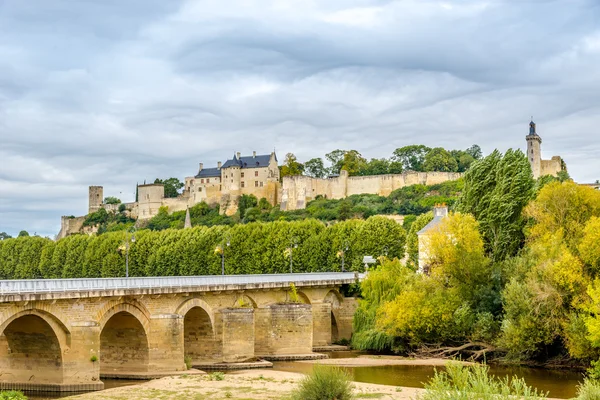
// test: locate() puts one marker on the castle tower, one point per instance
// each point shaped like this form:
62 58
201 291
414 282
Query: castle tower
96 196
534 151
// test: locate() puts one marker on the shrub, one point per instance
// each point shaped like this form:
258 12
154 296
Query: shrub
188 361
474 382
12 395
324 383
217 376
588 390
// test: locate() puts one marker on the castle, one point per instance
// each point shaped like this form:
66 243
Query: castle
541 167
259 175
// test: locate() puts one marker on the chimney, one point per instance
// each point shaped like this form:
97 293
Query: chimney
218 164
254 154
201 166
440 210
238 155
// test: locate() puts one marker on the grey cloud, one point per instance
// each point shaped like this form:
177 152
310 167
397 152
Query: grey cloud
117 92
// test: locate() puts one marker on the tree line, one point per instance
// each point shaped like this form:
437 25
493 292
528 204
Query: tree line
253 248
418 158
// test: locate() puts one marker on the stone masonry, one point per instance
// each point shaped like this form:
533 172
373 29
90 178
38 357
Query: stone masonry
68 341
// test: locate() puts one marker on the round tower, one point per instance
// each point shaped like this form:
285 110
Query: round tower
534 150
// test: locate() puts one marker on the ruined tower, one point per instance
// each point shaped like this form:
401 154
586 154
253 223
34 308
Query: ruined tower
96 196
534 150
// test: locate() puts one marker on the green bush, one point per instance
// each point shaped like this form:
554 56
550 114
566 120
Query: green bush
324 383
588 390
473 382
12 395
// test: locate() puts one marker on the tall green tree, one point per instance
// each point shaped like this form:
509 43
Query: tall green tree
172 186
497 188
315 168
411 157
353 162
336 159
291 166
439 159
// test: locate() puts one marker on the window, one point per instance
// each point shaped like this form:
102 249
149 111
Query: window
201 180
255 173
255 183
242 174
199 189
207 180
531 151
261 184
242 183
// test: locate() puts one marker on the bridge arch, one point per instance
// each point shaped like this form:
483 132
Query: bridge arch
124 347
200 342
31 347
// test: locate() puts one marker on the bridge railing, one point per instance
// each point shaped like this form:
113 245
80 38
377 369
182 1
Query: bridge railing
101 284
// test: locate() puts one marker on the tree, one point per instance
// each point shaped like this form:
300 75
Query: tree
411 157
377 166
439 159
246 201
4 235
353 162
336 158
315 168
111 200
497 188
291 166
474 151
23 234
463 159
172 186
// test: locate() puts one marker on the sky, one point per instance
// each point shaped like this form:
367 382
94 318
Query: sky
118 92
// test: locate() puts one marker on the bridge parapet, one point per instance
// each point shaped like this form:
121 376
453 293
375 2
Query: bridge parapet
102 287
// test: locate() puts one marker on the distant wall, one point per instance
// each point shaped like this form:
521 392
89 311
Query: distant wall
551 167
299 190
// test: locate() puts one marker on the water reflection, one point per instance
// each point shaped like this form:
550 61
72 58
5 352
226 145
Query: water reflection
559 384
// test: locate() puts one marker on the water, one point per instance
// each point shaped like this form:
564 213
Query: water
560 384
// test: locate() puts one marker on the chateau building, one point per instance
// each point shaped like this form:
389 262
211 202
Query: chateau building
541 167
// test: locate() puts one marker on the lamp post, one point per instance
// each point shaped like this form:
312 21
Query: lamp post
127 241
223 256
344 250
293 245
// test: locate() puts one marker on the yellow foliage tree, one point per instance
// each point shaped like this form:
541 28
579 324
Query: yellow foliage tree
589 247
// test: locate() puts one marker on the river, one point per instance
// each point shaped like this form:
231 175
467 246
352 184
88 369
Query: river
560 384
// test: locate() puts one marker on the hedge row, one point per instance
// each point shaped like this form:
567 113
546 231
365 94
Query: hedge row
255 248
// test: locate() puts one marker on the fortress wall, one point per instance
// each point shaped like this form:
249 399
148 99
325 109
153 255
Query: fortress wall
175 204
299 190
551 167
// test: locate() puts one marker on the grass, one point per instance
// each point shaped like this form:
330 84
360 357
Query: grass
473 382
324 383
588 390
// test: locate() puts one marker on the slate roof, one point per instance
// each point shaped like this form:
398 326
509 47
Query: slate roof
249 161
209 173
432 224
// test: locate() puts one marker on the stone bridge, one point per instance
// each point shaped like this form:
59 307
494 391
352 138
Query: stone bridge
66 334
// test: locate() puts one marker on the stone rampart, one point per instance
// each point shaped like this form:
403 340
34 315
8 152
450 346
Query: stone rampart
297 191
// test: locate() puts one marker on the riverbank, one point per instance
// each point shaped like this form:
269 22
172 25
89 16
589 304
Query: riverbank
249 384
375 361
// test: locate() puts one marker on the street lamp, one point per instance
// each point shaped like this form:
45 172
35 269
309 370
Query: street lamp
127 241
223 256
344 250
293 245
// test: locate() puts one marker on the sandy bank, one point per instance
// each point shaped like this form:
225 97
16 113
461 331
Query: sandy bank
249 384
373 361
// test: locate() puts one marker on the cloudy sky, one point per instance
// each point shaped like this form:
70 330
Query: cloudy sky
115 92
